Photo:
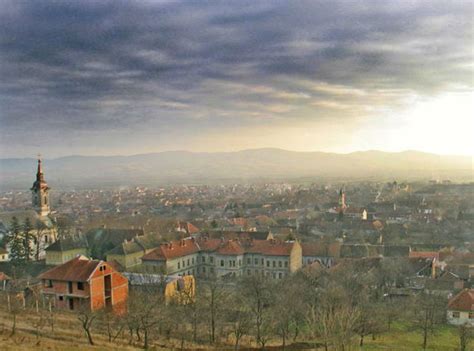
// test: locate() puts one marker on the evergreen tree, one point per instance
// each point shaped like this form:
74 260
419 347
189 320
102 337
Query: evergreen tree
16 242
27 238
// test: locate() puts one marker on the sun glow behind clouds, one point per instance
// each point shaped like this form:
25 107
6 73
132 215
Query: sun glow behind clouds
443 125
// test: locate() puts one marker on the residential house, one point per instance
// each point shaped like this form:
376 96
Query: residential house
461 308
129 253
102 240
84 283
321 252
3 255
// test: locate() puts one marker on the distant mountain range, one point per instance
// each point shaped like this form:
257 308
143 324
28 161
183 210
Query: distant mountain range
257 164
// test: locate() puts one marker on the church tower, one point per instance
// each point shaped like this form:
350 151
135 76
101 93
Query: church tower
40 193
342 200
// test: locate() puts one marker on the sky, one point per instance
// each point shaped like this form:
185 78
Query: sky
129 77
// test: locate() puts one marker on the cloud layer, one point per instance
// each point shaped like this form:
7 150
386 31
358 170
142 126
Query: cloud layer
113 76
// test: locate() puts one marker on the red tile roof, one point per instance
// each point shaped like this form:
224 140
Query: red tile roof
230 247
208 244
464 301
269 247
186 247
189 228
174 249
424 254
3 276
78 269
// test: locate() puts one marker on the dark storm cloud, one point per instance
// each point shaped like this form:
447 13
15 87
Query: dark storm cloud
111 65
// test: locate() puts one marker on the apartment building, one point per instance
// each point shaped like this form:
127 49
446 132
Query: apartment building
206 257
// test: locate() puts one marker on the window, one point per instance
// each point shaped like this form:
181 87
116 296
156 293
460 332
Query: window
179 266
280 264
204 269
211 259
256 261
240 263
286 264
262 261
249 261
212 269
61 298
456 315
471 315
192 260
274 275
184 263
222 263
279 276
80 286
248 272
203 259
274 264
268 263
188 262
48 283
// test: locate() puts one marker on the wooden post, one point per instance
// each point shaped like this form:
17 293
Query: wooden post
9 303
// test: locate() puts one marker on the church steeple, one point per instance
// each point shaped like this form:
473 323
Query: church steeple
40 192
342 199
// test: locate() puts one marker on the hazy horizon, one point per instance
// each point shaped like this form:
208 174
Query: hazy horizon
108 78
47 157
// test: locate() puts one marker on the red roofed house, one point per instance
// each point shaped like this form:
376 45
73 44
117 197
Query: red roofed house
461 308
186 227
85 283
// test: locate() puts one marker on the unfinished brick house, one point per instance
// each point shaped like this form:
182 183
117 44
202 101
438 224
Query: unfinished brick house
84 283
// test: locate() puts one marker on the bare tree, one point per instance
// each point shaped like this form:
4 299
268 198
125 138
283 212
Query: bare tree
239 318
257 291
428 313
144 314
87 318
214 296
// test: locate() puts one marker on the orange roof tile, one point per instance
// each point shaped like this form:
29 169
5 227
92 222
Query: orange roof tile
269 247
78 269
230 247
424 254
464 301
174 249
3 276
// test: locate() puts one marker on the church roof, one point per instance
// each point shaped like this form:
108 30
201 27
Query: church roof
66 244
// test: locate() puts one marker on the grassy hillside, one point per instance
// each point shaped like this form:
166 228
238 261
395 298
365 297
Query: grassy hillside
68 335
